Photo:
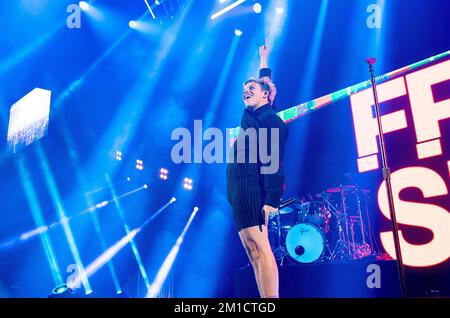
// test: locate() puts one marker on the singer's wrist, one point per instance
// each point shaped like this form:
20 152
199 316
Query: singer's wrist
263 64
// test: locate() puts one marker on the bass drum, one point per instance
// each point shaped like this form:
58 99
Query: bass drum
305 243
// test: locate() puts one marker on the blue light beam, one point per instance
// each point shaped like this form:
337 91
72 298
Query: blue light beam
169 260
36 212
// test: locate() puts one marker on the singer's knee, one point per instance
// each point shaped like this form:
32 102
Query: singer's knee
253 250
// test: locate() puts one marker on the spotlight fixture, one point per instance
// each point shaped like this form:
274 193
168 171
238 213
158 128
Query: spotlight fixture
163 174
61 291
238 32
132 24
257 8
83 5
118 155
187 184
139 164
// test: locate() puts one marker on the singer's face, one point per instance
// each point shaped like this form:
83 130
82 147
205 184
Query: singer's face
253 95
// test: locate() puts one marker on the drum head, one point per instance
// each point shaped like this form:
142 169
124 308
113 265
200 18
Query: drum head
305 243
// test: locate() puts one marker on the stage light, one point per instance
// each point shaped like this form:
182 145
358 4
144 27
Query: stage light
163 174
133 24
128 179
279 10
238 32
62 291
157 2
187 184
119 292
222 1
118 155
29 118
139 164
257 8
84 5
145 186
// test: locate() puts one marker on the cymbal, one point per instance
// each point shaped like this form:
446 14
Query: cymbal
323 195
286 210
346 188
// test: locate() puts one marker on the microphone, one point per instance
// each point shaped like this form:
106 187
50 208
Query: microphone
371 60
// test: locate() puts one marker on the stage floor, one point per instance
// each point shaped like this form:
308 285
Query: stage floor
358 279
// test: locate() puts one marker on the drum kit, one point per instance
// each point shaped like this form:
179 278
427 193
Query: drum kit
328 228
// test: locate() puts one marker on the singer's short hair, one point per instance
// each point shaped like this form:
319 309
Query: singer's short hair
266 85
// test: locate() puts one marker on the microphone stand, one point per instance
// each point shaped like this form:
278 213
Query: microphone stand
387 177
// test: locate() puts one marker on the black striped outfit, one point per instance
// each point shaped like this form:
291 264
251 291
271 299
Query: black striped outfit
247 189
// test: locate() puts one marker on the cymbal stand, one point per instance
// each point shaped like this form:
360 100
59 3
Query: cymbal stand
364 243
344 214
340 247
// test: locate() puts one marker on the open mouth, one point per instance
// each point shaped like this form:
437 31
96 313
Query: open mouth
247 97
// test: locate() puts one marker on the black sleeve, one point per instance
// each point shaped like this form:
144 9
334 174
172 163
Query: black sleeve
274 183
265 72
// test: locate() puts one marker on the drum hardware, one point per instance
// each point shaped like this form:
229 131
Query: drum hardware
365 193
335 223
280 252
344 210
339 250
361 249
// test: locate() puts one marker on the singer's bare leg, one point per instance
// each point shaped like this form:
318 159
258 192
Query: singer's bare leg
257 246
